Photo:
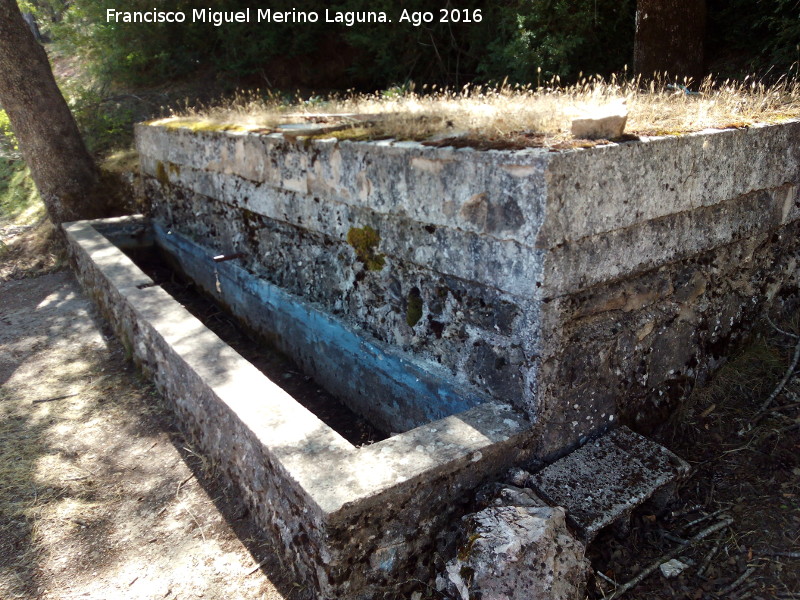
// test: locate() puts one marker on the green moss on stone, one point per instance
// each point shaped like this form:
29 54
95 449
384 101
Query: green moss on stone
353 134
413 307
364 241
161 174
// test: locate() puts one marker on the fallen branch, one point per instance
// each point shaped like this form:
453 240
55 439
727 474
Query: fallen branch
737 583
686 511
785 407
606 578
256 568
85 389
703 518
709 557
791 395
667 557
742 591
779 330
784 554
180 485
783 382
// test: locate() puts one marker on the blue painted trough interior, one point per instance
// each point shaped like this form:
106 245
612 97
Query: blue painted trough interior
392 392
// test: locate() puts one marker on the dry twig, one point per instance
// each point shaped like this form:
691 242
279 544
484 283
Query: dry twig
686 511
783 381
256 568
784 554
709 557
699 520
724 592
180 485
670 555
779 330
53 399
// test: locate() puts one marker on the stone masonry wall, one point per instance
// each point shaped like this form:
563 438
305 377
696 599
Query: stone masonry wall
453 298
581 286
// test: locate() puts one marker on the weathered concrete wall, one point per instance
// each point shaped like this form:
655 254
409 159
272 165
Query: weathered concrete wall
660 254
352 522
345 363
581 286
294 225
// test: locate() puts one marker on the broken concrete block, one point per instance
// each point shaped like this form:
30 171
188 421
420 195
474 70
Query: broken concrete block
515 552
603 481
603 123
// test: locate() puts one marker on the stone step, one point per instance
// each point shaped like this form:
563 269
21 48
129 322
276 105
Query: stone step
600 483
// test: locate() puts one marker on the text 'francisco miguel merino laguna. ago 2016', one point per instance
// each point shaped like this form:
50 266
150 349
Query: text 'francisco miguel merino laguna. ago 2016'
267 15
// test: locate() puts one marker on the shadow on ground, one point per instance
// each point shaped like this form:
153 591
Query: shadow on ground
101 496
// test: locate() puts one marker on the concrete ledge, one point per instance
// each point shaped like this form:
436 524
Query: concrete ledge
351 521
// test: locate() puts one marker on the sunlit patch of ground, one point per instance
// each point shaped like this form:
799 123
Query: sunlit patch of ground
99 498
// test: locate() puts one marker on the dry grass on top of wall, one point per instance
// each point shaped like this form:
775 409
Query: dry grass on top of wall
543 114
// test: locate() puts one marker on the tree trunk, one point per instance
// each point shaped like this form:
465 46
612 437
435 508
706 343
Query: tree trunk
62 168
670 38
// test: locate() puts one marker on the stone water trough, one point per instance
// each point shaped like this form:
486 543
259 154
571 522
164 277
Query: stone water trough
485 309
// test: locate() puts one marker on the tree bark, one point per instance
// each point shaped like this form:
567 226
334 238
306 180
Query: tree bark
62 168
670 38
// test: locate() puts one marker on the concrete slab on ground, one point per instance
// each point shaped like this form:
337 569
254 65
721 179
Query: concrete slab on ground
603 481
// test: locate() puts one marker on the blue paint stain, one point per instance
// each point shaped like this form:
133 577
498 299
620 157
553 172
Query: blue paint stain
394 393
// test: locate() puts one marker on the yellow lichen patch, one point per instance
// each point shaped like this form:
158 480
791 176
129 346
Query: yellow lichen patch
353 134
466 550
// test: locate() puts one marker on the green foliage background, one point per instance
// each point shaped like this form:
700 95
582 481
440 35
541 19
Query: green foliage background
514 39
8 143
522 40
754 36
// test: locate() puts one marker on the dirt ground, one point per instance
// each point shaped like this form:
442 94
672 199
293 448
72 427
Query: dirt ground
101 498
745 459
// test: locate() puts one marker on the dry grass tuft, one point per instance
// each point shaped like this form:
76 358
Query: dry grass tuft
657 108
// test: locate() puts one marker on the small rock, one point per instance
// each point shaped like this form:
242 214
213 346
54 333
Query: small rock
517 553
602 123
672 568
518 477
